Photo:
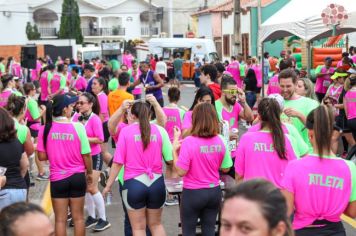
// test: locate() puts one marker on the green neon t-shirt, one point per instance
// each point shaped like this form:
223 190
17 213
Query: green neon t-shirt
305 106
227 161
352 167
33 109
22 131
63 82
84 142
301 148
2 68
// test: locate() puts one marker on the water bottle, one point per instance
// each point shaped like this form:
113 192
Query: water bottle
109 198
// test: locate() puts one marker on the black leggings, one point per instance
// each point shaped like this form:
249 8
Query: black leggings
352 126
330 229
203 204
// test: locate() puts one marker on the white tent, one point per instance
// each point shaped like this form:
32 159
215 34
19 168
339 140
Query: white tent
303 19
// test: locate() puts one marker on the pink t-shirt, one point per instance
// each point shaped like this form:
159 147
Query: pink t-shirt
202 158
17 70
320 192
232 117
66 143
44 85
103 102
273 86
354 59
174 118
350 100
187 121
234 69
129 151
34 72
137 90
256 157
258 72
322 83
79 84
55 83
4 97
127 58
119 127
94 129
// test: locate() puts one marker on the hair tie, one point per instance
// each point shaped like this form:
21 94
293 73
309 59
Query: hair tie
51 101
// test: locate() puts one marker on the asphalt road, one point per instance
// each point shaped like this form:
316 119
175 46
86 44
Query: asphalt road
170 213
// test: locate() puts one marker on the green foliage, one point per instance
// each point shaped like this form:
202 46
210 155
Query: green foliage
70 22
32 32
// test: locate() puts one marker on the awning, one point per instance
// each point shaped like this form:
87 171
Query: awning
44 14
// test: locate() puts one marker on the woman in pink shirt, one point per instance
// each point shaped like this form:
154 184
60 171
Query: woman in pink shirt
316 193
203 95
201 156
58 82
265 153
88 115
99 89
66 146
141 148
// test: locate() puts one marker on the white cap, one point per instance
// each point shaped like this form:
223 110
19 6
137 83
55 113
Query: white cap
278 98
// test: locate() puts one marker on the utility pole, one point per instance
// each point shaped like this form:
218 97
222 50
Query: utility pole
170 18
150 20
237 26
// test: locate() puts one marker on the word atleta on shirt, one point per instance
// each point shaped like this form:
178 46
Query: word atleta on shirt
202 158
320 192
66 143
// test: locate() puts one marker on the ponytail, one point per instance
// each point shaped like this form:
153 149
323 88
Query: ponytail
321 121
142 112
48 125
270 111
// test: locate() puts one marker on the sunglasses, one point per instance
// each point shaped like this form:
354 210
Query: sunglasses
231 91
81 103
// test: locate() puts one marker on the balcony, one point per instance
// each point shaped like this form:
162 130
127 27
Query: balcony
87 32
48 32
145 31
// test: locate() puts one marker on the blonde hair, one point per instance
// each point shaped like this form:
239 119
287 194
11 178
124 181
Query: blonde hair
309 88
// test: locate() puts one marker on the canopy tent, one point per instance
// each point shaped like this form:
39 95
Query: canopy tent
303 19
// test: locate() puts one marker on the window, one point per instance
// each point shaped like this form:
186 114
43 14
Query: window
226 45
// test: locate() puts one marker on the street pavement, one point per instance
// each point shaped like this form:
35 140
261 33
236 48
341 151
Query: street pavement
115 212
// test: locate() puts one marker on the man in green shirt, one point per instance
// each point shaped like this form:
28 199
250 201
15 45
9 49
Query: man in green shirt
296 107
178 65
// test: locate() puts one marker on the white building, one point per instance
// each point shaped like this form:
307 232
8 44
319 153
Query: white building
100 19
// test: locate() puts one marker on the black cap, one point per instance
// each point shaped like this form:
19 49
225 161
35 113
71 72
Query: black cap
63 100
329 59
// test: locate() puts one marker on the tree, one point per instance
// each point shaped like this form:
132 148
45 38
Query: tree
32 32
70 22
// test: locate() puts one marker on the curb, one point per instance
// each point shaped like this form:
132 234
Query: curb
348 220
46 202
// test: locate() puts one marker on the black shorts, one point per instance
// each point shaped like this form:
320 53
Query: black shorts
329 228
72 187
106 132
138 195
97 162
341 125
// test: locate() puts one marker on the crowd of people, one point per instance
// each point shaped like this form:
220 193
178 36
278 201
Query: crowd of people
292 175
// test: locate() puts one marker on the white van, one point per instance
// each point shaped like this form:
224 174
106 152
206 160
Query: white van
188 48
89 53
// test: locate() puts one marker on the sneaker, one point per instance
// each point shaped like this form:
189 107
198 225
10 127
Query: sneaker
90 222
102 225
71 223
104 175
69 217
42 177
171 202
